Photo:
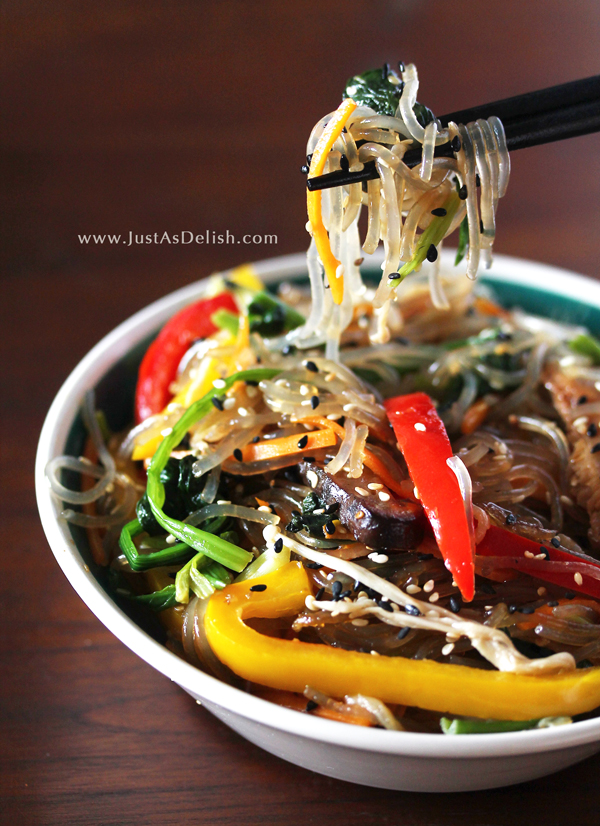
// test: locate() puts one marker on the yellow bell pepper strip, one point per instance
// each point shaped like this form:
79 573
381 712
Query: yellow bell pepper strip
423 440
272 448
291 665
313 199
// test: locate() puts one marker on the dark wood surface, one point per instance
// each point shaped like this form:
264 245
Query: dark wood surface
153 116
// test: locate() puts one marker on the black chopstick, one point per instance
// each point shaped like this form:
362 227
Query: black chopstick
556 113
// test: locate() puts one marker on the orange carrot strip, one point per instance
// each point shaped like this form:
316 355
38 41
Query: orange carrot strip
272 448
313 199
474 416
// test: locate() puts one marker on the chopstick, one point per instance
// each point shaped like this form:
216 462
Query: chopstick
556 113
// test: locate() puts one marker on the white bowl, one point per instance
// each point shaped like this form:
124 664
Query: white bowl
374 757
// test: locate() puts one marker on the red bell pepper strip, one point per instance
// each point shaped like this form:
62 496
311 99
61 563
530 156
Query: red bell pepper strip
159 366
509 549
423 440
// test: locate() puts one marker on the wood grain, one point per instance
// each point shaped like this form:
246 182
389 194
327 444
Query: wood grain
147 116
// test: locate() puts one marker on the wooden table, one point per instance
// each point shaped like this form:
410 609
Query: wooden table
152 117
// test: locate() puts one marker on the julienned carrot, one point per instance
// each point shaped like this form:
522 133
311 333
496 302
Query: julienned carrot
313 199
474 416
369 459
547 610
297 443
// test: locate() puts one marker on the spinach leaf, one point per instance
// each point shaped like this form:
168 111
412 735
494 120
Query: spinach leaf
381 90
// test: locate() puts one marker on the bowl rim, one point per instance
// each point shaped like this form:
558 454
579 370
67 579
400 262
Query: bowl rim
57 425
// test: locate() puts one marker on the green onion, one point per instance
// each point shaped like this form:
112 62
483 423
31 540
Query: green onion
474 726
586 345
159 600
434 234
463 241
225 320
201 541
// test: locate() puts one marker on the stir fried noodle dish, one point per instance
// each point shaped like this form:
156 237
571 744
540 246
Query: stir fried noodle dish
376 503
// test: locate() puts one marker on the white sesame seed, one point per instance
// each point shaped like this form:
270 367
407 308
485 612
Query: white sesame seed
242 411
330 377
375 557
264 509
228 404
566 500
540 556
219 384
374 486
488 607
412 589
580 424
362 491
359 514
223 501
420 426
171 540
434 597
339 273
429 586
319 511
312 478
529 555
416 493
166 432
452 637
348 407
306 403
542 592
304 390
578 578
360 622
448 649
375 653
385 497
333 416
251 392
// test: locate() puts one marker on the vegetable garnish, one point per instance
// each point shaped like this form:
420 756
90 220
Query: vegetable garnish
423 440
506 549
332 131
272 448
458 726
213 546
292 664
159 365
587 345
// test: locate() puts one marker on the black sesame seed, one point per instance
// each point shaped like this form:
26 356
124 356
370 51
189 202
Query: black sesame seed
455 144
592 430
462 192
332 507
393 276
311 705
218 403
412 610
424 557
310 365
319 594
255 440
385 71
454 604
432 253
315 401
481 226
545 551
553 603
278 546
570 594
312 565
329 459
288 350
512 609
527 610
403 632
596 448
344 594
309 459
260 587
400 66
511 519
303 442
330 528
387 606
251 383
439 212
237 454
309 158
344 165
477 180
336 588
555 541
582 400
304 169
357 585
